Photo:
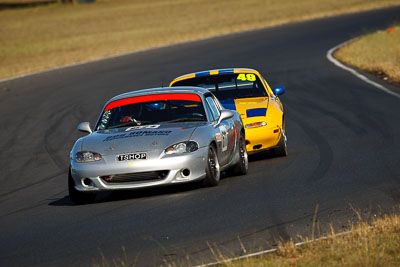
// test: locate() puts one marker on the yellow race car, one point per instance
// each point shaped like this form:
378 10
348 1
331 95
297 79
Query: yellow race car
247 92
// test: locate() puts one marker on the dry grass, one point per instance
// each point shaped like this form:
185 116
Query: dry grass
377 52
24 1
36 38
375 244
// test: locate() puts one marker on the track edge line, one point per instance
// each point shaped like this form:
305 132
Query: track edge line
329 56
255 254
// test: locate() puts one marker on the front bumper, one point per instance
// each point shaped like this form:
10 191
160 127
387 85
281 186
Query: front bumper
262 138
90 176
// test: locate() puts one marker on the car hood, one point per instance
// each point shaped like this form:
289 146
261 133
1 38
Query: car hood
247 107
138 139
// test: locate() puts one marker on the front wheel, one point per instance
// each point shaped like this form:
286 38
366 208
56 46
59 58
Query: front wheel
77 196
212 169
242 166
281 149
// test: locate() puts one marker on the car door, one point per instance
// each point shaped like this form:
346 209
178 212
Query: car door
225 135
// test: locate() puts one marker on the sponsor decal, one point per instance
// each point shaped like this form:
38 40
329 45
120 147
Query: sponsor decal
218 137
154 126
256 112
247 77
132 156
234 136
137 134
224 135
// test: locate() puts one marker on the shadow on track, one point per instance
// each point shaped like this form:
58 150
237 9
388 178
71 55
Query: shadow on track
262 155
133 194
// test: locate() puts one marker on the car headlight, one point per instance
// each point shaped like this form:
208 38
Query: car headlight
256 124
87 156
183 147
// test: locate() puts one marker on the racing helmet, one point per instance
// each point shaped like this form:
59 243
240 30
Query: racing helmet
159 105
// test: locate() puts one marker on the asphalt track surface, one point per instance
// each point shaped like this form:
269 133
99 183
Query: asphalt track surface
343 137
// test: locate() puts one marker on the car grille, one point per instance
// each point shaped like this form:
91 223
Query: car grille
135 177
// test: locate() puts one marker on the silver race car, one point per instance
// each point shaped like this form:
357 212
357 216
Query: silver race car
156 137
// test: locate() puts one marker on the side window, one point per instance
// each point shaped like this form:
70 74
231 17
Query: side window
269 89
209 113
217 104
214 109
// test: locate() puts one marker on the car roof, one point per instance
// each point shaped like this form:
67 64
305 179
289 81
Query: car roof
213 72
161 90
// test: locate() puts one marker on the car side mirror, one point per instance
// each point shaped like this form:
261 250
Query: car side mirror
225 114
84 127
279 90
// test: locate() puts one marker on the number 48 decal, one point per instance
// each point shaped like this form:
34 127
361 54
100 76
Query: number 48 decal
246 77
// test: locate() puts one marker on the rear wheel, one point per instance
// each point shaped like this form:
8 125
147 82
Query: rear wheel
212 169
77 196
281 149
242 166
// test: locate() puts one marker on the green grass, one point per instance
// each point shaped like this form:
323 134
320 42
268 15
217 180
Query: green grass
41 37
378 53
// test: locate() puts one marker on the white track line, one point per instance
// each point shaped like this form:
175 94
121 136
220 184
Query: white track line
329 56
268 251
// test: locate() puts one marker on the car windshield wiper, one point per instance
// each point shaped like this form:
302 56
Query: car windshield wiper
184 120
130 123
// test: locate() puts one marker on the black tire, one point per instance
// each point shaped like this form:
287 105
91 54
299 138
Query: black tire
242 166
77 196
281 149
213 172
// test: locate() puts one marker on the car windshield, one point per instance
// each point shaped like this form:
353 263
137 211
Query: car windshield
152 109
228 86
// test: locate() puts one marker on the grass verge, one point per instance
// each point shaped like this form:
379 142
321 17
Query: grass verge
369 244
37 38
377 53
25 1
375 242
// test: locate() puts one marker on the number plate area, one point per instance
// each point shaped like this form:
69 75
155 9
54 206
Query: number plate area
131 156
